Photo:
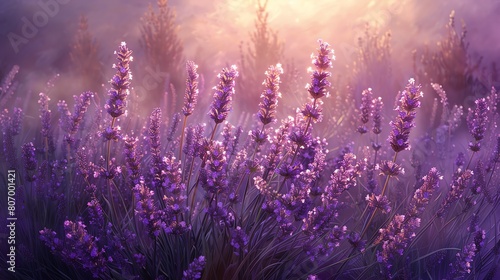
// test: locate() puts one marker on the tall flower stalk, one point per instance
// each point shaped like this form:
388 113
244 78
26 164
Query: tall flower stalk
190 98
223 96
117 101
318 88
477 120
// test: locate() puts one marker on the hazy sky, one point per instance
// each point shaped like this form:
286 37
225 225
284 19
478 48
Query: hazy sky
214 28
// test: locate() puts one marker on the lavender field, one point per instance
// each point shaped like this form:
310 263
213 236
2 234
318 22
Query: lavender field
249 139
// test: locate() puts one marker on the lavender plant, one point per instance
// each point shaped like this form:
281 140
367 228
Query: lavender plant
271 200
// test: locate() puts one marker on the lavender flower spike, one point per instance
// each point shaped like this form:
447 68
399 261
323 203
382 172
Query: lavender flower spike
195 269
191 93
401 127
120 82
377 115
224 91
270 94
476 121
366 109
319 83
423 194
30 162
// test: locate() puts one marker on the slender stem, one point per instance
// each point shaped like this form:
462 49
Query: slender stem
182 136
470 160
213 132
108 155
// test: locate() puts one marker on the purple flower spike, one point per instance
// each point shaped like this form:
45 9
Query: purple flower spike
476 121
71 122
460 181
194 269
378 201
463 262
213 177
377 115
30 162
366 109
120 83
239 240
423 194
401 127
44 114
224 91
132 159
319 83
270 94
145 208
191 94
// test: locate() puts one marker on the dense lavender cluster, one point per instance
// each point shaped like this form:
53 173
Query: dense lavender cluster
276 198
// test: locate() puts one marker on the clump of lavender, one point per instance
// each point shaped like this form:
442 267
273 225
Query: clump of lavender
195 269
365 109
223 95
401 127
476 121
396 237
270 95
120 82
